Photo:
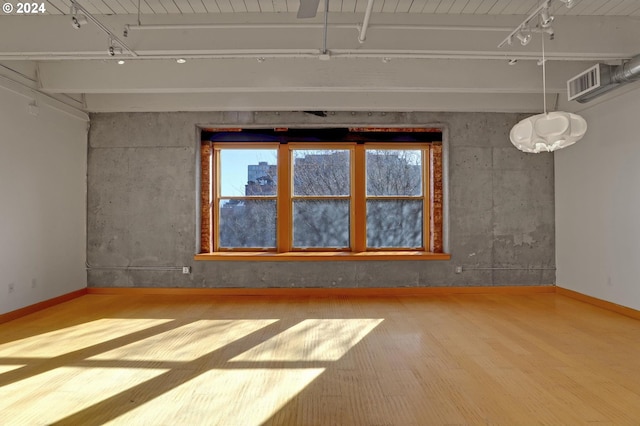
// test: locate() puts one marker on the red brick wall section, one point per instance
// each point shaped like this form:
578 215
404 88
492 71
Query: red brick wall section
205 198
436 198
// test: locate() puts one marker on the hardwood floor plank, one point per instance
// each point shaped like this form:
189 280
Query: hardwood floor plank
499 359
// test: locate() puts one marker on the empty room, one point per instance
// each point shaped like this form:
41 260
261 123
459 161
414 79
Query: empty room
304 212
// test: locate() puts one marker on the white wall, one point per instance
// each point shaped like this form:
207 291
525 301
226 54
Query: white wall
42 201
598 205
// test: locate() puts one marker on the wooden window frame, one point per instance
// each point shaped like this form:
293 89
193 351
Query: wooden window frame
424 149
216 196
289 197
358 250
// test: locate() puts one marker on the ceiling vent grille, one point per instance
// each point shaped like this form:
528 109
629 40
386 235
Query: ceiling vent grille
584 82
590 83
602 78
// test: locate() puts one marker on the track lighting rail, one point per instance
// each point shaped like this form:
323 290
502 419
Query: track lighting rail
522 31
112 37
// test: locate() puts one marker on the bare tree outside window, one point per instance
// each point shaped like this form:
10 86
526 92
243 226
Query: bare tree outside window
321 172
394 223
321 198
247 223
394 198
394 172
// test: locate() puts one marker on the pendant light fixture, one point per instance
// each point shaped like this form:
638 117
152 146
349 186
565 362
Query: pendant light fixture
548 131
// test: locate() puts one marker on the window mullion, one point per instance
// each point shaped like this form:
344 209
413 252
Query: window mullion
283 216
359 203
216 199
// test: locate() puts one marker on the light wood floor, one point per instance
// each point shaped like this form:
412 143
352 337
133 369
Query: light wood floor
447 360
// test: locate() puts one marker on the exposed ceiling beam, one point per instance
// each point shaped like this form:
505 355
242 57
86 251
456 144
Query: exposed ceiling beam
304 75
40 98
327 100
582 38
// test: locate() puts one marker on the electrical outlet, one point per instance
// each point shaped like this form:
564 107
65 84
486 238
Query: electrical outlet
12 287
458 269
34 283
186 269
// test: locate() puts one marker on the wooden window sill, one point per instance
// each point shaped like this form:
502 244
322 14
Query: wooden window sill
322 256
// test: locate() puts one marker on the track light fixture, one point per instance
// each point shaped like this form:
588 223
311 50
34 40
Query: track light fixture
77 19
538 22
524 38
545 18
112 50
80 16
547 30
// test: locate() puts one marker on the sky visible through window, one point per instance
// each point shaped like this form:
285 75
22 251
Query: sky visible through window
235 162
234 165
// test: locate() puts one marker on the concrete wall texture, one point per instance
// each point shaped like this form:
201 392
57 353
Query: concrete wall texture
142 191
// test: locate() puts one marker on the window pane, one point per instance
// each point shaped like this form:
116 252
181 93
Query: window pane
394 172
247 223
394 223
321 172
248 172
321 223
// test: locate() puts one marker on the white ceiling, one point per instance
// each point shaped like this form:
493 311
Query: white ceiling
454 7
419 55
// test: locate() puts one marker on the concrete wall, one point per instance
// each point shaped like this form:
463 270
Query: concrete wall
598 205
42 201
142 203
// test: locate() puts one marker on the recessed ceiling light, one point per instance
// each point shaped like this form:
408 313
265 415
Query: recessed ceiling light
120 62
181 60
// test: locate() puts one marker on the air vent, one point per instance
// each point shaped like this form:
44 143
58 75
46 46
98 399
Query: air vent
584 82
601 79
590 83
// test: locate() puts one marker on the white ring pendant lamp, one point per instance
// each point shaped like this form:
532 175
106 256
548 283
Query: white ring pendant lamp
548 132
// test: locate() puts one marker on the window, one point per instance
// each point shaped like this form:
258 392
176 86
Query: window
315 199
246 204
321 198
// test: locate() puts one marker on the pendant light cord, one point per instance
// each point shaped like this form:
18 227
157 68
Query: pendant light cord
544 77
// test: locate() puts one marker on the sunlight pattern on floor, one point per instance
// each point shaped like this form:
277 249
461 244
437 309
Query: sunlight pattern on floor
187 342
169 371
312 340
224 397
77 337
66 390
